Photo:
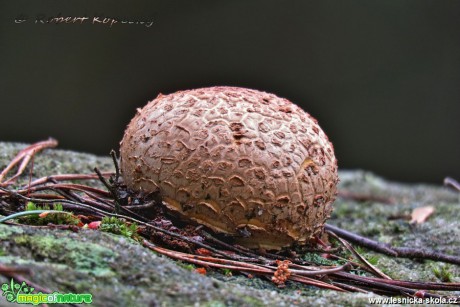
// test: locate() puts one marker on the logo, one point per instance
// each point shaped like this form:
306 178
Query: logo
21 293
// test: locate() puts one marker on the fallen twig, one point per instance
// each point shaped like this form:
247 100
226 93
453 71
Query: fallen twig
25 155
452 182
362 241
403 252
364 197
67 177
299 275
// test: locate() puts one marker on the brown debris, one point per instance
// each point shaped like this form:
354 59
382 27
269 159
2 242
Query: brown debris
282 273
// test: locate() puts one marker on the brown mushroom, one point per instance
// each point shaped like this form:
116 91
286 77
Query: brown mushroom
242 162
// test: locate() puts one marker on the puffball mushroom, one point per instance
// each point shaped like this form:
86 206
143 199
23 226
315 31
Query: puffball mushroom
242 162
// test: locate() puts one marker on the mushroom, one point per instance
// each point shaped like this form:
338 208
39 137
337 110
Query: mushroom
242 162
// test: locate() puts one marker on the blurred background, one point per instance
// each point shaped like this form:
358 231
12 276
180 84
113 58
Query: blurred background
382 77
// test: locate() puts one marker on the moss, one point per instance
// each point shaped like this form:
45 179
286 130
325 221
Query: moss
442 272
64 218
120 227
317 259
252 301
6 231
214 304
79 255
187 266
21 239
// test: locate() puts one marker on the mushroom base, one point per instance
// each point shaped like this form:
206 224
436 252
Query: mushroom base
246 233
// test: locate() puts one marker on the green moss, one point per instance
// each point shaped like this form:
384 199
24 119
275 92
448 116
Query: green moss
317 259
187 266
373 259
120 227
214 304
79 255
6 231
252 301
21 239
227 272
52 218
442 272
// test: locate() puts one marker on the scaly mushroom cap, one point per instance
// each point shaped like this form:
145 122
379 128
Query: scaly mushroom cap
242 162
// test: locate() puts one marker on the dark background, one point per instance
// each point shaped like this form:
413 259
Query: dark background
382 77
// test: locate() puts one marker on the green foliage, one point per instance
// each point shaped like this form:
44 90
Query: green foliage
359 249
317 259
373 259
442 272
120 227
53 218
227 272
187 266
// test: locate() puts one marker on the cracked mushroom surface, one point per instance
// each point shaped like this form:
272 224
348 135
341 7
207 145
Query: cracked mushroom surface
242 162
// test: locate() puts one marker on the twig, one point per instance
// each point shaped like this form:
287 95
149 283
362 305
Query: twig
242 266
365 197
407 252
113 154
315 283
403 252
25 155
362 241
196 260
360 258
232 247
348 287
396 285
112 190
65 202
452 182
67 177
355 264
68 186
14 270
80 200
345 267
412 284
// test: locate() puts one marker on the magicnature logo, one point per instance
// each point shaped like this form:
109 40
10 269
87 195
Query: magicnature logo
21 293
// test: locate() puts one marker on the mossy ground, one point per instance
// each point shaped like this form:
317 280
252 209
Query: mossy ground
120 272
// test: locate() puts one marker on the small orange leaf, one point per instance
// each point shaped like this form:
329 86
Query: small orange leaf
420 215
43 214
201 271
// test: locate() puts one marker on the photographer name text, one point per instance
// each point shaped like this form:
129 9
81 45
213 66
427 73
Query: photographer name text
93 20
